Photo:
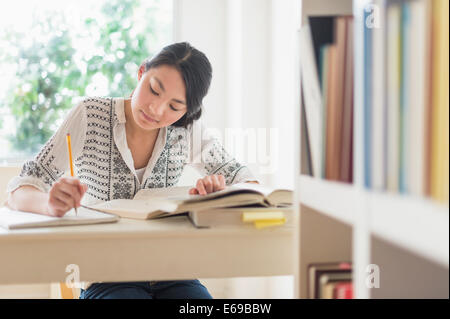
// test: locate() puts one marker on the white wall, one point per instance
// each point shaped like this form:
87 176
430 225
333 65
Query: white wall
251 46
202 24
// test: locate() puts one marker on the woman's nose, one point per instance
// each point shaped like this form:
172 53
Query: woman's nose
157 110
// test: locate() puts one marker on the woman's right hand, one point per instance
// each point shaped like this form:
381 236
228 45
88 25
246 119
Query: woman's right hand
64 195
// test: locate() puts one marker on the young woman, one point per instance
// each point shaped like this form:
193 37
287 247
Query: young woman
123 145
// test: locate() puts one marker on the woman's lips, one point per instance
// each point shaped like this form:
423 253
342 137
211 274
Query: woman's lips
148 118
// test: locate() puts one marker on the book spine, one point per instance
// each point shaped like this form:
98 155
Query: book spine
331 113
393 100
344 290
324 62
367 102
428 99
347 117
378 103
417 89
341 45
405 96
440 102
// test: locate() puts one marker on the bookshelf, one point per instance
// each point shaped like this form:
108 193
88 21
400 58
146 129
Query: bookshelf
407 236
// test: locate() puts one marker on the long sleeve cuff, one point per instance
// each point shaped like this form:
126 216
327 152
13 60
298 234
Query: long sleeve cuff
19 181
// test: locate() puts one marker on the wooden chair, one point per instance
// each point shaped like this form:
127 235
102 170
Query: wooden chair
68 293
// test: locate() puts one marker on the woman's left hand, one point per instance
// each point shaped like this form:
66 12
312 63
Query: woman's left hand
208 184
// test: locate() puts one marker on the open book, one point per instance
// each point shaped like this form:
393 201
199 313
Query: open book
160 202
12 219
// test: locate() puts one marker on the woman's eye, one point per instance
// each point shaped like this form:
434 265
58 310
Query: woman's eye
173 108
151 89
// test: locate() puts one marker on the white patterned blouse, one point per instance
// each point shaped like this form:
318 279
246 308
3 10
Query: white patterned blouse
104 162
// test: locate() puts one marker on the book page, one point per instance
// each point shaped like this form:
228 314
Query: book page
84 213
18 219
9 217
177 192
265 190
136 205
180 194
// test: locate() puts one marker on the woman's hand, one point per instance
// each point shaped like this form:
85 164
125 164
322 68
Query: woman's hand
208 184
64 195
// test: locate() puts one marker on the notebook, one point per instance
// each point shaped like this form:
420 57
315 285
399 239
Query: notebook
12 219
159 202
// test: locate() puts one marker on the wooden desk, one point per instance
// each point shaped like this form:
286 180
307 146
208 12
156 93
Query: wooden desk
134 250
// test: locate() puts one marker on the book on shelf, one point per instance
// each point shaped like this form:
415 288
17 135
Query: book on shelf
392 95
328 284
327 88
160 202
428 103
440 101
317 270
306 165
393 48
346 169
418 96
335 100
312 97
324 67
406 99
12 219
368 95
377 112
262 216
343 290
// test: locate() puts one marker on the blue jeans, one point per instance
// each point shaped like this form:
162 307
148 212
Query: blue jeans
179 289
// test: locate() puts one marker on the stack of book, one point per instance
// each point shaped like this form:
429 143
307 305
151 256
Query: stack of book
236 204
330 281
327 94
406 98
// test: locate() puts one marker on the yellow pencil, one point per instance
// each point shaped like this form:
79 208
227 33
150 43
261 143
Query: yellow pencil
70 161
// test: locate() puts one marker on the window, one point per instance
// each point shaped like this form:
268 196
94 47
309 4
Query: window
53 53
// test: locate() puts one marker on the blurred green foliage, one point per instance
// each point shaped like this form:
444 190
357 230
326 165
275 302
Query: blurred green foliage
51 74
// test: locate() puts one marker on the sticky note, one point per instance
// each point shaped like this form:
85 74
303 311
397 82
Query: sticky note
257 216
268 223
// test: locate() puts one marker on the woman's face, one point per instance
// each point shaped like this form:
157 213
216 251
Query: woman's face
159 99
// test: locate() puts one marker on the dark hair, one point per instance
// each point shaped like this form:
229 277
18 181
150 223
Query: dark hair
196 71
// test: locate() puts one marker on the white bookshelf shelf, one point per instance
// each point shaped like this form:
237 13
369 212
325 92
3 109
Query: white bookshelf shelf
417 224
331 198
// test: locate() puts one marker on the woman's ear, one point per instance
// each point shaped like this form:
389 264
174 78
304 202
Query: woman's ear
141 71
